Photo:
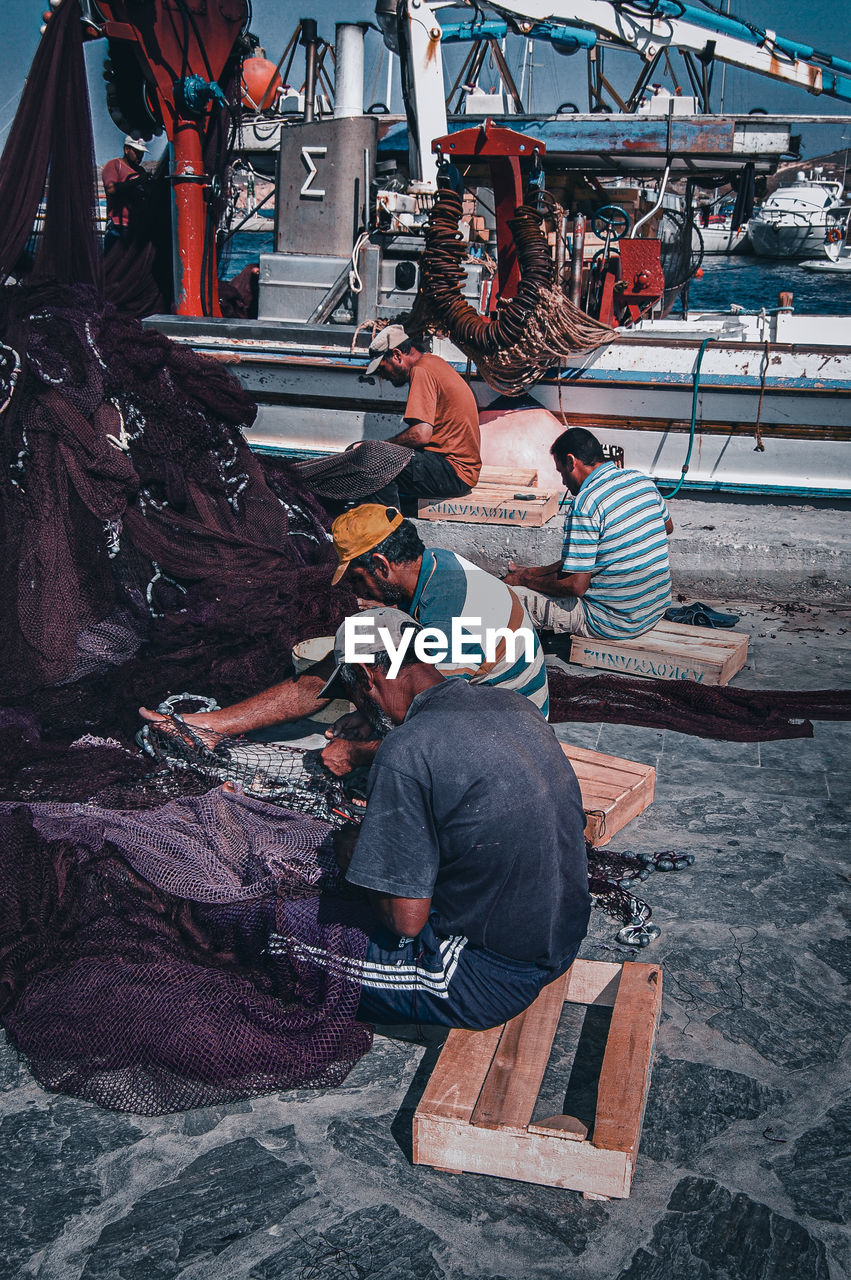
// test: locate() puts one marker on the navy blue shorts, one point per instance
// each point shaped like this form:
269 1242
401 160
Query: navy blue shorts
445 981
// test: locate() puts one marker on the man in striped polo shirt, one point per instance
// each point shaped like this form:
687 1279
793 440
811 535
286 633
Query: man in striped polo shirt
387 564
613 578
472 848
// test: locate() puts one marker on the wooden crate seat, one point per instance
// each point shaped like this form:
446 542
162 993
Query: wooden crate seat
503 495
614 790
669 651
476 1112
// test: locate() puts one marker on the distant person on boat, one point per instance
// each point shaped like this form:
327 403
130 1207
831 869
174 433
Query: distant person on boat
441 420
123 182
381 555
613 577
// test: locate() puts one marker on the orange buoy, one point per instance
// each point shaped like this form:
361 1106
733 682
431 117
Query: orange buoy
698 275
260 84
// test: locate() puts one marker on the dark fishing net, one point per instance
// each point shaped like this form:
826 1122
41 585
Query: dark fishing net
707 711
284 775
681 251
144 542
52 135
357 472
133 963
146 550
614 876
274 772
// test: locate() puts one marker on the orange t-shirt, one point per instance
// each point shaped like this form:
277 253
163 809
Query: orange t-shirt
117 171
441 397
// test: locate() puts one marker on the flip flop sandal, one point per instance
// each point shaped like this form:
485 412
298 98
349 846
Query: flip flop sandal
700 615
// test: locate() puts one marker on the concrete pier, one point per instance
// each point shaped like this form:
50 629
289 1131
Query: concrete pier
740 1171
732 549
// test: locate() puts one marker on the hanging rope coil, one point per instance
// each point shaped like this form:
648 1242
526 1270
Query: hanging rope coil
529 333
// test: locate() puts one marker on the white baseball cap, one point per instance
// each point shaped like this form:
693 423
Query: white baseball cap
393 622
135 143
392 336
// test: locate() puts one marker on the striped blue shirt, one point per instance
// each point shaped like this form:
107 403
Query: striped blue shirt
615 530
451 587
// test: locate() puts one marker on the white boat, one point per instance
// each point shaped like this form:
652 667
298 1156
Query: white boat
792 222
716 231
837 243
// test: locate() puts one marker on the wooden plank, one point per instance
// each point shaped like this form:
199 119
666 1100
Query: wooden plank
735 662
510 1091
495 504
518 476
554 1151
458 1076
625 1074
722 638
548 1160
697 646
561 1127
593 982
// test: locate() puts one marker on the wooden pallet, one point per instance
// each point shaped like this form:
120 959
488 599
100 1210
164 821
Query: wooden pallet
475 1115
502 496
670 651
520 477
614 790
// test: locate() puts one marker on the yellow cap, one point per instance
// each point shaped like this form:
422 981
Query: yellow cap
360 530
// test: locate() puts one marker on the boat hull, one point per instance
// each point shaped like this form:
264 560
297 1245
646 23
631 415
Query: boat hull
721 239
782 240
772 415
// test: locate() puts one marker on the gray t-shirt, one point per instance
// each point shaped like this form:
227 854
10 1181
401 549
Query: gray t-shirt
472 803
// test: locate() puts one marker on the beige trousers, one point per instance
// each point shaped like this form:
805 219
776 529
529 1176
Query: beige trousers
565 616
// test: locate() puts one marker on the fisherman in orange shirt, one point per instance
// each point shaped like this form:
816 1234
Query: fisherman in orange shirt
441 420
120 178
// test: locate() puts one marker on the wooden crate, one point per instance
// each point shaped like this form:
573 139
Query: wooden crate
494 503
475 1115
614 790
520 477
670 651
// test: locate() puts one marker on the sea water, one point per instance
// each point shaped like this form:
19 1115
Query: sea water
727 280
752 283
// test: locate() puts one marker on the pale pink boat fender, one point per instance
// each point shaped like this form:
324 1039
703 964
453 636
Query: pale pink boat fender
521 437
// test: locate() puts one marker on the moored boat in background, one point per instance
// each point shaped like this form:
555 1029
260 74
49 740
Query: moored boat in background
837 243
792 222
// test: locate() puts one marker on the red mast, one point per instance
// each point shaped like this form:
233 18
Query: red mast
182 47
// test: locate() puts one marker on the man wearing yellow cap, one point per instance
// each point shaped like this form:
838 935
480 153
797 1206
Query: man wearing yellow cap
386 562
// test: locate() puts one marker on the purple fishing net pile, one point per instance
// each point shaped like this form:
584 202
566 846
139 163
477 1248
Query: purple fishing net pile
140 534
147 550
132 964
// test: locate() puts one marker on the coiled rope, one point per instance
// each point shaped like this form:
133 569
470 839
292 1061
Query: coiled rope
529 333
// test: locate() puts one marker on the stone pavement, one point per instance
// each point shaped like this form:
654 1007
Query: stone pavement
743 1168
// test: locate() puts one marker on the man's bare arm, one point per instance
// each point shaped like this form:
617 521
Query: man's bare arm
669 526
530 575
289 700
405 916
550 581
416 435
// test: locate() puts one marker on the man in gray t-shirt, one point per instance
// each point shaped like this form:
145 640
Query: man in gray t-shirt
472 849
